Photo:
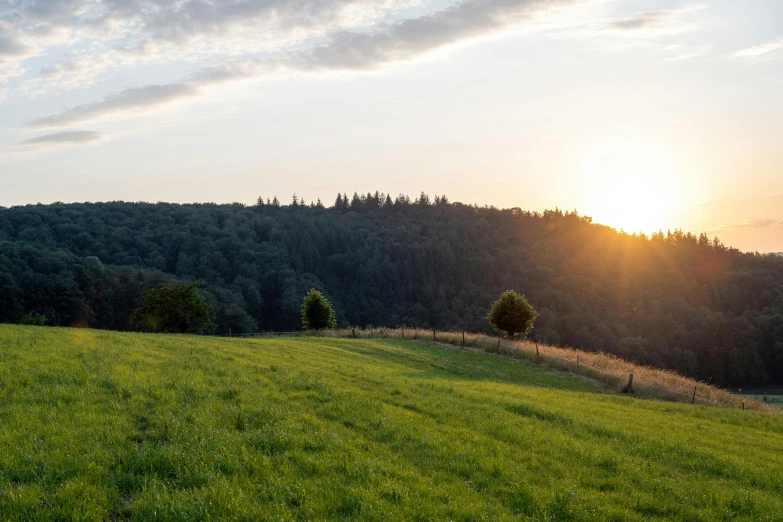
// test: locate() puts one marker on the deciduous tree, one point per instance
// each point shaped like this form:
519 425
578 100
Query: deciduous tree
175 308
512 314
317 312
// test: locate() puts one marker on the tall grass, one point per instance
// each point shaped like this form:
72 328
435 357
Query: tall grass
610 370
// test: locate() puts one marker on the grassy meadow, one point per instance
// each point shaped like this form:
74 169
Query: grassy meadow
98 425
609 370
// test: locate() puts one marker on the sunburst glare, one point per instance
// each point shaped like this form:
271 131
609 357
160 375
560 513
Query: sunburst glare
631 185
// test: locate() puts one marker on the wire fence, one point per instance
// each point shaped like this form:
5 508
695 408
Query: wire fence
611 371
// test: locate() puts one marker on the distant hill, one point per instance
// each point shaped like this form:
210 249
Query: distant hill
674 300
101 425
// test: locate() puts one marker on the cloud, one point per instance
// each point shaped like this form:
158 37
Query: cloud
98 36
345 50
137 100
412 37
144 25
63 138
753 223
12 53
757 223
11 47
648 20
638 26
766 50
128 101
687 54
183 21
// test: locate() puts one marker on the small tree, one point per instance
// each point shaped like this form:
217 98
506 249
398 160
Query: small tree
317 312
512 314
175 308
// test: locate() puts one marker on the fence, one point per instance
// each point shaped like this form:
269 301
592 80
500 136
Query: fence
611 371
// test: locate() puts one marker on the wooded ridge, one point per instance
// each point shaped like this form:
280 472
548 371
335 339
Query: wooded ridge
673 300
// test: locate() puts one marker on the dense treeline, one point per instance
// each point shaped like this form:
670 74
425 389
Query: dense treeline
672 300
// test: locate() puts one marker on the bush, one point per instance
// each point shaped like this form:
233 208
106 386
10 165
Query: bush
33 319
317 312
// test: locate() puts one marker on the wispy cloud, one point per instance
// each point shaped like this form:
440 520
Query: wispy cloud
62 138
753 223
758 223
644 24
129 100
687 54
346 50
646 20
106 34
724 201
765 50
410 38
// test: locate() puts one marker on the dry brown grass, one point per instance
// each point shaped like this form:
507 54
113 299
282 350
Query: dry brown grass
609 370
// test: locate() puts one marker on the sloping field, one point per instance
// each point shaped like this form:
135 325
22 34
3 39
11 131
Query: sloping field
98 425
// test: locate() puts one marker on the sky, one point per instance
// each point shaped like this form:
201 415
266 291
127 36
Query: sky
644 115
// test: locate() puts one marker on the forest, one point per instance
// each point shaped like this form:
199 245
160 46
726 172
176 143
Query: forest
672 300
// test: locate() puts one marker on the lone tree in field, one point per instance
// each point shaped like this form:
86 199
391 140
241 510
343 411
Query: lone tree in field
317 312
175 308
512 314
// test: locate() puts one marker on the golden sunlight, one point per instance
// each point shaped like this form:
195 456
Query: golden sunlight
631 186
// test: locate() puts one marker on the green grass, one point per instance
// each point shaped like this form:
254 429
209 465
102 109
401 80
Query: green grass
107 426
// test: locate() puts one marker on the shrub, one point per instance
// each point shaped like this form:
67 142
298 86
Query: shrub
33 319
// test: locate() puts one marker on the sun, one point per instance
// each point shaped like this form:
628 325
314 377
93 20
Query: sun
632 200
631 186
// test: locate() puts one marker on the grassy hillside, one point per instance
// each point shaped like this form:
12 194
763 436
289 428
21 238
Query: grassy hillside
608 370
673 301
99 425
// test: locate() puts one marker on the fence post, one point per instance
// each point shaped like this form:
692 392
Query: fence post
498 343
463 337
353 331
577 364
433 334
743 405
403 332
693 399
536 352
630 383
